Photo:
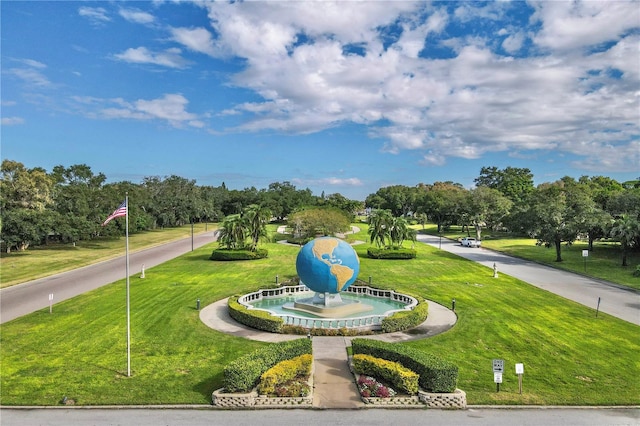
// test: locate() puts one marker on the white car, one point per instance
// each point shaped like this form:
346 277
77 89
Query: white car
470 242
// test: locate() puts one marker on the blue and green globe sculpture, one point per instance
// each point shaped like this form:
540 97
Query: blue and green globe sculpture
327 265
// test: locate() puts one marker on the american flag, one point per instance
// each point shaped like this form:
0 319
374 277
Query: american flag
119 212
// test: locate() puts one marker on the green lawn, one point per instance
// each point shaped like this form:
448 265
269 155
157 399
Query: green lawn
604 262
41 261
79 351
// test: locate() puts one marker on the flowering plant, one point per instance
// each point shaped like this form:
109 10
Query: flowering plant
370 387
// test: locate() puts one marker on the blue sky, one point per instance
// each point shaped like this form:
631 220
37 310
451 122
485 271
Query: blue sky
343 97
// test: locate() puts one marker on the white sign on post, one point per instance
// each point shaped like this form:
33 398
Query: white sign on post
50 302
497 377
498 365
585 253
520 372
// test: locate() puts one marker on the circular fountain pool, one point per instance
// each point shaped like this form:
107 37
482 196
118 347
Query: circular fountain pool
379 304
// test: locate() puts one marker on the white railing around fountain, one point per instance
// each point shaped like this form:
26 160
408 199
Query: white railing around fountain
370 322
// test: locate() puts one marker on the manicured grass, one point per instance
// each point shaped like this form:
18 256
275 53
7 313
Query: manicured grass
42 261
79 351
604 262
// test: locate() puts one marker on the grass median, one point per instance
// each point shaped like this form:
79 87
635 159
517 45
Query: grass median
79 351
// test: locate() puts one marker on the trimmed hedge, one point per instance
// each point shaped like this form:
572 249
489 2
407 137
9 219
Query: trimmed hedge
405 320
226 255
392 253
436 375
255 318
285 371
244 373
400 377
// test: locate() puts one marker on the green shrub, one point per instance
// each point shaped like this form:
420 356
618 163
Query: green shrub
255 318
244 373
636 273
389 371
283 372
436 375
227 255
391 253
405 320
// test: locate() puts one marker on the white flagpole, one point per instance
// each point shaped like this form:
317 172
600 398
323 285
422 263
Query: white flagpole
128 304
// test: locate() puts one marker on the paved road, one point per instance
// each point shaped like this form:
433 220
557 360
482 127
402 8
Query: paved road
295 417
23 299
617 301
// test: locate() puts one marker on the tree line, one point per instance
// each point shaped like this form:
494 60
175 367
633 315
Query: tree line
70 203
555 213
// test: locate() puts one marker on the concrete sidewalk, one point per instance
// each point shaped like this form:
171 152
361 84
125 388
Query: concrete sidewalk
333 383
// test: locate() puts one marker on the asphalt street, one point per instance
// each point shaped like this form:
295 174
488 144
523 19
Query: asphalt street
295 417
618 301
23 299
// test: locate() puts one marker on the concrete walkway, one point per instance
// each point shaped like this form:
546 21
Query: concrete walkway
333 382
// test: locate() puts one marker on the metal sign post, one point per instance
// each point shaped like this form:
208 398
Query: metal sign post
585 254
50 303
498 369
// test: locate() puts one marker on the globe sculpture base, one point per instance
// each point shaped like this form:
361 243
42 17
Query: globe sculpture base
327 305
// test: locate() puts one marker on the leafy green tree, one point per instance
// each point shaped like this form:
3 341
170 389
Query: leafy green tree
79 200
282 198
626 229
24 188
399 199
23 227
556 215
173 201
343 203
309 222
442 202
513 182
486 207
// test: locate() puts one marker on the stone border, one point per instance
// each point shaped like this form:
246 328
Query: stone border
455 400
254 400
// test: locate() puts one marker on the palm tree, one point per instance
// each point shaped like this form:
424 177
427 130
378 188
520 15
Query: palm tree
626 229
233 232
379 222
256 218
399 231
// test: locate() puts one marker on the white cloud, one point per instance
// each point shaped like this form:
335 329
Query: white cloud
32 63
137 16
141 55
331 181
30 76
170 108
96 15
474 103
12 121
577 24
513 43
196 39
